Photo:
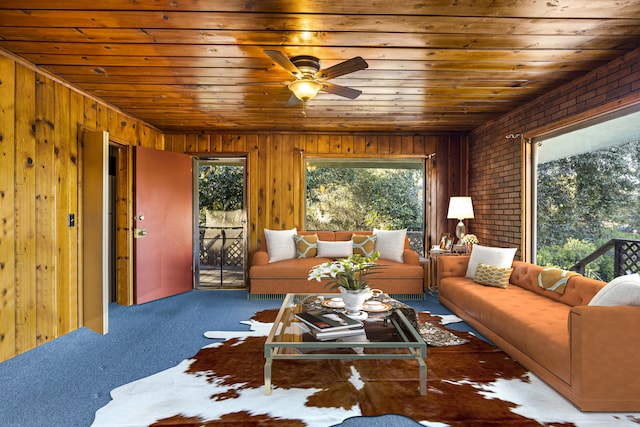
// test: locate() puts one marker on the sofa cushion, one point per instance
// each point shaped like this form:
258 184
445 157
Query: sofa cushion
578 291
390 243
298 268
280 244
342 236
325 236
623 290
289 268
335 249
490 275
306 246
500 257
534 324
363 244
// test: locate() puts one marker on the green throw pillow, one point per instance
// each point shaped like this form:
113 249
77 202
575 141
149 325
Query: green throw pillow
364 244
306 246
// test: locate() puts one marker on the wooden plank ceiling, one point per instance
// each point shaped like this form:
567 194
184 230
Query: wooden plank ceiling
438 65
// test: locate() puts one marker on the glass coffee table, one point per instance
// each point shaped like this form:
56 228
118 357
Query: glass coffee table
386 335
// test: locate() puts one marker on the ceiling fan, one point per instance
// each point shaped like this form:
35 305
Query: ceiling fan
310 79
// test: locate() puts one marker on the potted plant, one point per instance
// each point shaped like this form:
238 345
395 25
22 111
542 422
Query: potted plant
469 240
349 276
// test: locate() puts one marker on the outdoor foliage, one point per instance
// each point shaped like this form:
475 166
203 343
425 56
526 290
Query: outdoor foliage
364 198
574 250
584 201
220 187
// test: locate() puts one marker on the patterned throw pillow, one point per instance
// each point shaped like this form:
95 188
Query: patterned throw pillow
364 244
306 246
490 275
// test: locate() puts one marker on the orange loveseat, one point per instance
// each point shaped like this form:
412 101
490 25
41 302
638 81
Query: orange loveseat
405 280
589 354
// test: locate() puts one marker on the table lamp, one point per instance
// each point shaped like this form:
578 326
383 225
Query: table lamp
460 208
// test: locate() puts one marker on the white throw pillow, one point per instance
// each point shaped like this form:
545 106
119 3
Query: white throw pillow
390 244
623 290
280 244
499 257
338 249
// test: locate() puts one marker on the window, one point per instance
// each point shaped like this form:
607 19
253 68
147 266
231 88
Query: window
587 193
360 194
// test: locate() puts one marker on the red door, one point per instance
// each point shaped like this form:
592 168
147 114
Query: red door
163 224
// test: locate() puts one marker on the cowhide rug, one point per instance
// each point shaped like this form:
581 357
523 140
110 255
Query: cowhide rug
474 384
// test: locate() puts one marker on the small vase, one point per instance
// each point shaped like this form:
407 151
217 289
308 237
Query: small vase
354 300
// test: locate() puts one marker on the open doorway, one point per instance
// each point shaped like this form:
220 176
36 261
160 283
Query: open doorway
119 224
220 219
112 237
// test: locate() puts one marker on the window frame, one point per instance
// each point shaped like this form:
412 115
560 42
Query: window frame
422 160
530 138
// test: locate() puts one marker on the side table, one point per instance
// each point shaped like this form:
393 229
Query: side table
431 267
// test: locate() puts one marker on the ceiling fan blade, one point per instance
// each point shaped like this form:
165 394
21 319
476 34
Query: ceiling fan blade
343 91
346 67
282 60
293 101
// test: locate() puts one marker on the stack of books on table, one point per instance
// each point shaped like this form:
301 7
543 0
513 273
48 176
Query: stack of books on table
328 325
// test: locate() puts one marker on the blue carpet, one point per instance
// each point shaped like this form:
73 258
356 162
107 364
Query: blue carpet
64 382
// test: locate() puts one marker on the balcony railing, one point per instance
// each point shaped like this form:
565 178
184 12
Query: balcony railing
626 257
221 246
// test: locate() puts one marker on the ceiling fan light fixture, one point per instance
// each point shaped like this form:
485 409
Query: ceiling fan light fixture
305 89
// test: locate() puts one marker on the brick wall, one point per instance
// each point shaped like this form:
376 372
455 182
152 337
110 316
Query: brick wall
496 162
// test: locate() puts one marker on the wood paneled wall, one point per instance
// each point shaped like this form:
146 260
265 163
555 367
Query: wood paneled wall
275 168
39 186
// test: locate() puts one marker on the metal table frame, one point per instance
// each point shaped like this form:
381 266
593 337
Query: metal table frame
284 341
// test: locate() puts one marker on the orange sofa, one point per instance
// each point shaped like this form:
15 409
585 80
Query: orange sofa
587 353
405 280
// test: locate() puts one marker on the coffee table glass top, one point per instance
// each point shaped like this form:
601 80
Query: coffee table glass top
386 335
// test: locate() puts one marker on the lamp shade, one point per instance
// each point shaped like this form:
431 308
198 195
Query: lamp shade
460 208
305 89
